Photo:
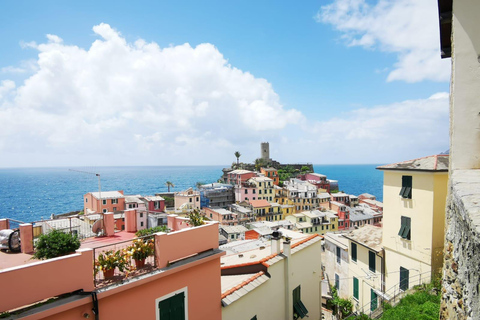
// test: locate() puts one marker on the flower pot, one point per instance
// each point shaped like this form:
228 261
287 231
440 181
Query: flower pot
139 263
107 274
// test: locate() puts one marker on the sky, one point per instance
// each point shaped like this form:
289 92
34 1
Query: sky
112 83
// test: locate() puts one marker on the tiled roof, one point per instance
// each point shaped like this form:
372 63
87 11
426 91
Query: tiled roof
368 235
240 285
437 162
260 203
108 195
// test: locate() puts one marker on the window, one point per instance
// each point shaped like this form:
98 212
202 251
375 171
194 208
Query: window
105 211
86 200
246 191
405 228
141 224
373 300
253 191
259 191
354 252
406 191
196 199
371 261
404 275
141 214
104 201
327 226
173 306
114 201
114 208
337 281
190 199
259 184
339 255
355 288
299 310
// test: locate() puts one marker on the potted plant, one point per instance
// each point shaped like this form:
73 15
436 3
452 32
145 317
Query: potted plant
140 249
196 218
109 260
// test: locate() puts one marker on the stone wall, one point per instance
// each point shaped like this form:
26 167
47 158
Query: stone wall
461 269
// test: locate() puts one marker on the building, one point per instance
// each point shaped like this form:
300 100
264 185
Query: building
233 233
414 194
236 177
216 195
225 217
187 200
302 194
343 217
276 281
318 180
264 188
459 40
178 282
336 263
266 211
155 204
366 268
110 201
244 213
315 221
271 173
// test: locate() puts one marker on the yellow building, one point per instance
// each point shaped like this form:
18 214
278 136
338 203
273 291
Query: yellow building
414 195
264 187
314 222
266 211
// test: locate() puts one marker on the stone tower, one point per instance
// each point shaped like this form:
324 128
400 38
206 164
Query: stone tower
265 151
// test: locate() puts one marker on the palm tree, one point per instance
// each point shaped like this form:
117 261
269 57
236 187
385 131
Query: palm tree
169 184
199 184
238 155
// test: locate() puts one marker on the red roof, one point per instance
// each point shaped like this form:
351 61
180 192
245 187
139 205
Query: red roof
259 203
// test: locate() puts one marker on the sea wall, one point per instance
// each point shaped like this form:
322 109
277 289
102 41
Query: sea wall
461 275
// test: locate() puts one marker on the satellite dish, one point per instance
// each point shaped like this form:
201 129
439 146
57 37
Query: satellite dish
97 227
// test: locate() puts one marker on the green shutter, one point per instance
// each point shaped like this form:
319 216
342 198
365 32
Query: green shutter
371 261
355 288
406 191
172 308
354 252
373 300
404 276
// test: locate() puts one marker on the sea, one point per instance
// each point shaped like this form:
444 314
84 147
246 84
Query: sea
33 194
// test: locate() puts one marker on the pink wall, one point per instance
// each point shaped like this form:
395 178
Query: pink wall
26 237
176 245
36 281
4 224
175 222
109 222
137 300
151 206
97 206
131 220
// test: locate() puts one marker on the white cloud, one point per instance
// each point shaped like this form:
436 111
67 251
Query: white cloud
390 133
407 28
132 100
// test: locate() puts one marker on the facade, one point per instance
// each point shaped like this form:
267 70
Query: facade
232 233
318 180
280 281
314 222
302 195
155 204
236 177
415 195
225 217
343 215
187 200
216 195
366 268
264 188
459 40
336 263
110 201
244 213
266 211
271 173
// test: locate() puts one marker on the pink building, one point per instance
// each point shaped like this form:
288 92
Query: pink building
318 180
245 192
182 281
225 217
236 177
155 203
187 200
110 201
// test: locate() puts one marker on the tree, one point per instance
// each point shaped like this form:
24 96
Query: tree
341 307
196 218
260 162
199 184
169 184
54 244
237 155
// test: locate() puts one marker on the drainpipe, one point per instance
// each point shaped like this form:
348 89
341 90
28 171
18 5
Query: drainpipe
288 297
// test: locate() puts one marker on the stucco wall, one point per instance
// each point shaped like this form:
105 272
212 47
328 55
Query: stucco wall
461 276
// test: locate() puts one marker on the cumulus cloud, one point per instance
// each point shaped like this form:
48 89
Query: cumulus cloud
407 28
125 99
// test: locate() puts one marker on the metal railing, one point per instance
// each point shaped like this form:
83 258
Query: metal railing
132 268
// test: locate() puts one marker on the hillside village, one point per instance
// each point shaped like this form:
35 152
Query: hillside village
249 248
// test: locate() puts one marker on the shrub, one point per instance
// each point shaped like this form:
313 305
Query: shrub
196 218
55 244
149 231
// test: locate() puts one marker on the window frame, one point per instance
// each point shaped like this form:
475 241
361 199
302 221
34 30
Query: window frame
372 266
405 228
338 255
404 283
355 286
354 256
406 190
168 296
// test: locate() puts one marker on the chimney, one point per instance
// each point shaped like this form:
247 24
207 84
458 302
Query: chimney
287 249
276 238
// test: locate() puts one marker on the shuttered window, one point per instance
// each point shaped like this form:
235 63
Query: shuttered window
299 309
404 275
172 308
371 261
405 226
406 191
338 255
355 288
354 252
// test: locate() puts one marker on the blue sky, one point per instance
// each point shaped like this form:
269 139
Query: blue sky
333 70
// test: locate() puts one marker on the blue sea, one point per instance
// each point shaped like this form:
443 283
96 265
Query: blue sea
30 194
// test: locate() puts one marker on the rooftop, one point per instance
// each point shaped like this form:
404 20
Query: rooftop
234 287
337 239
368 235
234 229
108 195
437 163
154 198
133 199
240 171
260 203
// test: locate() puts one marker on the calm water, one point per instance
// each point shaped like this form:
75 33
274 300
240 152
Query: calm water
35 193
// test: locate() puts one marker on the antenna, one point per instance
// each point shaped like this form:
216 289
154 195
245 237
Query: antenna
99 189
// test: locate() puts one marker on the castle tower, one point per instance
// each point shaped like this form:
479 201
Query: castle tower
265 150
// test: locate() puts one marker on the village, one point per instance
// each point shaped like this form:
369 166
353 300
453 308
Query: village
254 238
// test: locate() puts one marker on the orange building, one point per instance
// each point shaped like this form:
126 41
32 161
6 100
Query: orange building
108 201
271 173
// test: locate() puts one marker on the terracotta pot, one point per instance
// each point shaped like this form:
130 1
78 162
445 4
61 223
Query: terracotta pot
107 274
139 263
